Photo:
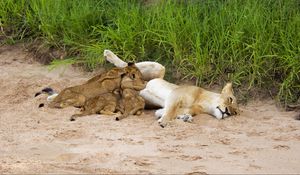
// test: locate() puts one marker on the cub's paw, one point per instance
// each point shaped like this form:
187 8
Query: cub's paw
73 117
119 117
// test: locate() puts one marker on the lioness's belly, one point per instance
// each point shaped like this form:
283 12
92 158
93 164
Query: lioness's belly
157 91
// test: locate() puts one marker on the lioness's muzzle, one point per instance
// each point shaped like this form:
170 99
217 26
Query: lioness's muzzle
224 112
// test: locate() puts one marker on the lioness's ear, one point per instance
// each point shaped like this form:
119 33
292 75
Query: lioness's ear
227 89
230 99
131 64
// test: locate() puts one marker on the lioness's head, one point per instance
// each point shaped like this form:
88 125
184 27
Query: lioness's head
133 78
228 104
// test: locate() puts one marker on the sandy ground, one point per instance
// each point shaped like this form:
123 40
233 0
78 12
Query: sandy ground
263 139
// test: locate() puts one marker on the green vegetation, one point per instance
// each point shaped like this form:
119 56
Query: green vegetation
253 43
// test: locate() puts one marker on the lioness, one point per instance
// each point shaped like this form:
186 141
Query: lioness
197 101
131 102
107 82
107 103
179 100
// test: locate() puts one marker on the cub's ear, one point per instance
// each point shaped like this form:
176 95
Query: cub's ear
123 75
130 64
121 71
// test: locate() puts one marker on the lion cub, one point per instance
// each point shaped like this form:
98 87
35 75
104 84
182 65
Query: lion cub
102 104
131 102
104 83
107 103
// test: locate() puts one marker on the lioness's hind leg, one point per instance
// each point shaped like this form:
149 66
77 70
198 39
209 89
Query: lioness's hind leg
114 59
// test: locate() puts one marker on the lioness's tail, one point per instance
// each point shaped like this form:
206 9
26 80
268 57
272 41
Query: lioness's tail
47 90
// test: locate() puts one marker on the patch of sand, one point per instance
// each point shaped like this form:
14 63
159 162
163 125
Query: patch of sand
263 139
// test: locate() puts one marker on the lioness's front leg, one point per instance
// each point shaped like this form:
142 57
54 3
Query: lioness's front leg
170 114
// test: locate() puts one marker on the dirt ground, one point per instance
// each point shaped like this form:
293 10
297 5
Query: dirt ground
263 139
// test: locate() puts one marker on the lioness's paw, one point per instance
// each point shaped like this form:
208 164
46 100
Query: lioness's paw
162 123
158 113
185 117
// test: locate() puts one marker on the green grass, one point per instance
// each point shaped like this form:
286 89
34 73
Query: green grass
255 43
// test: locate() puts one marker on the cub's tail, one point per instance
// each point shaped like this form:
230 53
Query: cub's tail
47 90
50 92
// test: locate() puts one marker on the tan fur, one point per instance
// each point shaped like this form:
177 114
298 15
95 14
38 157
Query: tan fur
106 103
194 100
100 84
131 102
103 104
178 100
